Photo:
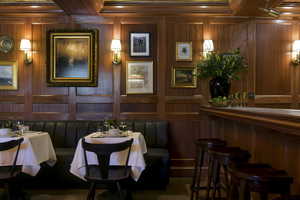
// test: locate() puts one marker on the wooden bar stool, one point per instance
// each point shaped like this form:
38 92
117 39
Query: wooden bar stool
221 158
202 146
261 180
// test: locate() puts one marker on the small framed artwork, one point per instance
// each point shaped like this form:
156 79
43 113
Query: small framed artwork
139 77
184 51
139 44
72 58
184 77
8 75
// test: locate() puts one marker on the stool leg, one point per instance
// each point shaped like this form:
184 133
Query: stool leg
197 173
198 187
209 176
244 194
233 190
216 178
226 181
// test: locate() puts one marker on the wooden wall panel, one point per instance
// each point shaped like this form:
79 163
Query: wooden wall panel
126 29
93 108
268 56
273 59
278 149
229 36
16 32
182 32
63 108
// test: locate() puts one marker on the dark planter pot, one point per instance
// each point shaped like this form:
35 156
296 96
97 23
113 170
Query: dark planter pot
219 87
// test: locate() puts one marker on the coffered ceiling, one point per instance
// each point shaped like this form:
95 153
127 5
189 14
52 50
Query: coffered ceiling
26 1
260 8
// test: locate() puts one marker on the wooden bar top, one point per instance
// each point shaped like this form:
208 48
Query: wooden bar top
283 120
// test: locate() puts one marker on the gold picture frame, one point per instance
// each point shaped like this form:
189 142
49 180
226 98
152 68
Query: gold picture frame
72 58
8 75
139 77
184 77
184 51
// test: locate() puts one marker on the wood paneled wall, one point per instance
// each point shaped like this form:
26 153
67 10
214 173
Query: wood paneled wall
265 43
279 149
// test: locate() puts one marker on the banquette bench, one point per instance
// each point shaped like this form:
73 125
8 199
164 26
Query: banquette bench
65 136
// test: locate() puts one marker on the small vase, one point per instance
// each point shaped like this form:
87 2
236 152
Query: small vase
219 86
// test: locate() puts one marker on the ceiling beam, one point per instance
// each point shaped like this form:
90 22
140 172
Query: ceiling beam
80 7
252 7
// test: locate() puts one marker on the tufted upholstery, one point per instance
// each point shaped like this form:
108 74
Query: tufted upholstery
65 136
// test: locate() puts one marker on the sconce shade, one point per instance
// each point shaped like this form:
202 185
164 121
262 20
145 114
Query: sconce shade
115 45
296 46
25 45
208 45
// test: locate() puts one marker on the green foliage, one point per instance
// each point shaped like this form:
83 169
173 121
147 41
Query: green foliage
225 65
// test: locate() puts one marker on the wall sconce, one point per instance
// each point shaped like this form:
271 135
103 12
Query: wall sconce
25 46
116 48
296 53
208 46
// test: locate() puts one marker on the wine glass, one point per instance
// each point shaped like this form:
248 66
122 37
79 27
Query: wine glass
105 126
20 127
123 126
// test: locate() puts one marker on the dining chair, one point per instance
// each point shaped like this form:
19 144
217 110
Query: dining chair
8 174
103 172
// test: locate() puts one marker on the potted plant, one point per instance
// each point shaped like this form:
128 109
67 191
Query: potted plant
221 68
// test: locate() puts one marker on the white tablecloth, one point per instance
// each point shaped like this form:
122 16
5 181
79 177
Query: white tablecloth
36 148
136 159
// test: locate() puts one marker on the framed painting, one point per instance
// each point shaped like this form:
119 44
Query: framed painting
72 58
8 75
139 44
184 77
139 77
184 51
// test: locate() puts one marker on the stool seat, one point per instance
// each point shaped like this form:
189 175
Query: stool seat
259 178
227 155
291 197
210 142
262 174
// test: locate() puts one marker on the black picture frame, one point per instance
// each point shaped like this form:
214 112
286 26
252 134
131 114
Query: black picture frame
141 46
72 58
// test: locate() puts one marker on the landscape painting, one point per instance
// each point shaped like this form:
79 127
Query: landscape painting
8 76
72 59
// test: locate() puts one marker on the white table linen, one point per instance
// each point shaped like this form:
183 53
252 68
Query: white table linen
136 158
36 148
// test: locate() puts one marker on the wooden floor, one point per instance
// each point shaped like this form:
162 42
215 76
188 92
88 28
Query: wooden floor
178 189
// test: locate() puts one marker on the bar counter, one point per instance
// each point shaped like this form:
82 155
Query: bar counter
271 135
283 120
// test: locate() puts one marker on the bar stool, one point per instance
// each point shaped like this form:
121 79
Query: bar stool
221 158
202 146
262 180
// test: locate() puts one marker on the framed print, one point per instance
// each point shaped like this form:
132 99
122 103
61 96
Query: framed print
184 51
8 75
139 77
184 77
72 58
139 44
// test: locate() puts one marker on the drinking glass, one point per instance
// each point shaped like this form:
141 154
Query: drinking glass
105 126
123 126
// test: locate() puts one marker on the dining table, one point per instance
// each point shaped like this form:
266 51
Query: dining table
136 158
36 149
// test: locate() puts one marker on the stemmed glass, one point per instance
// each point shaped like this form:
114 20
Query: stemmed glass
123 126
20 127
105 126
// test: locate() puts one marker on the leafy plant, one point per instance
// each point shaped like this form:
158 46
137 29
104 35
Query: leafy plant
223 65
